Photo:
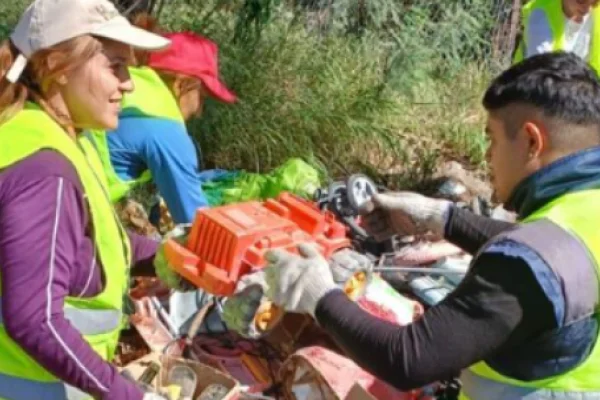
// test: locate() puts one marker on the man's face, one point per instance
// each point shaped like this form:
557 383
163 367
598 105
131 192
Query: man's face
577 9
507 155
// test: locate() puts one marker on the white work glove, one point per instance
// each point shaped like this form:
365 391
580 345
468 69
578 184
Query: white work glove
347 262
297 282
404 213
240 309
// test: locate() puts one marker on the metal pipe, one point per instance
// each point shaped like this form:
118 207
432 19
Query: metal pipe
256 396
166 319
421 270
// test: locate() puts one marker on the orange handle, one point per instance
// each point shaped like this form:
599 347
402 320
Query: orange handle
182 261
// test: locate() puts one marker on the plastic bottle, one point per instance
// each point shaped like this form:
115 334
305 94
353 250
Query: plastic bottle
184 377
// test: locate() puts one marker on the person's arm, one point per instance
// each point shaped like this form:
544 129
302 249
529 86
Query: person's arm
167 150
409 213
172 159
470 231
41 227
537 35
498 304
143 250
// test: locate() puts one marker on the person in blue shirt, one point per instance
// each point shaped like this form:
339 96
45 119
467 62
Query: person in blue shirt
152 142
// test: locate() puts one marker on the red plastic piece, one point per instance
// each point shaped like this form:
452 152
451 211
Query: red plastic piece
227 242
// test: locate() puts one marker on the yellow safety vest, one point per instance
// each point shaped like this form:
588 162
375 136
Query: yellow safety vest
99 319
556 19
572 213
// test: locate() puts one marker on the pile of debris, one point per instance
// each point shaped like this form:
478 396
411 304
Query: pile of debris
197 357
296 360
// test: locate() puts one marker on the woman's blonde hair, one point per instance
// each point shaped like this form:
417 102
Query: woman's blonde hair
38 74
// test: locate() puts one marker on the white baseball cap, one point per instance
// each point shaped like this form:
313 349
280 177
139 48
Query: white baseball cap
46 23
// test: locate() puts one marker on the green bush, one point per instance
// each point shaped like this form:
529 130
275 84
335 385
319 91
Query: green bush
10 11
299 97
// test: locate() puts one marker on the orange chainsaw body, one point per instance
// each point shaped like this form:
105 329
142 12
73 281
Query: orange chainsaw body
227 242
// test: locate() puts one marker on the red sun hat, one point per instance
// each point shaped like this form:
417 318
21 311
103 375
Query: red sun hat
193 55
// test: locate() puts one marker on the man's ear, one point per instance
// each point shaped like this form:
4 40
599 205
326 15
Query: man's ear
537 138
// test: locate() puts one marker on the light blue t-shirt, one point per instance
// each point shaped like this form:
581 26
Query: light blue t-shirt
164 147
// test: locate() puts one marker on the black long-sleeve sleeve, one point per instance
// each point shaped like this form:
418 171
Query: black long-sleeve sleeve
498 305
470 231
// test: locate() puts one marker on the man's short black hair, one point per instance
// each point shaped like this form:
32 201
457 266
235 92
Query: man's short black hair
560 84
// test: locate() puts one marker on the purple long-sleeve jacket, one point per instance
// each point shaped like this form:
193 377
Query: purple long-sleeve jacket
47 253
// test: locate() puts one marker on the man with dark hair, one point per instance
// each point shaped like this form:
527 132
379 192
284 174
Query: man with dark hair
523 324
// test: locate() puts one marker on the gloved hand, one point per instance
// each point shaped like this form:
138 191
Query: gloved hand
161 265
297 282
347 262
240 309
404 213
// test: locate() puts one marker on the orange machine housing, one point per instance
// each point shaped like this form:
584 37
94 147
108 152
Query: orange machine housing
227 242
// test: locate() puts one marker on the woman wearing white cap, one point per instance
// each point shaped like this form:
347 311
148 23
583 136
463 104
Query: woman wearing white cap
64 257
152 142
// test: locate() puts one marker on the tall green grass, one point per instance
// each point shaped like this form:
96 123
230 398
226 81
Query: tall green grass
393 98
387 87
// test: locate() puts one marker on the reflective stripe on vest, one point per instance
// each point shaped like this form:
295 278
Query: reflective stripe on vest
481 388
88 321
151 98
13 388
576 214
556 20
97 318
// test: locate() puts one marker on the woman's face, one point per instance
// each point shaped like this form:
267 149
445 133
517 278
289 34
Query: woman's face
577 9
191 96
93 92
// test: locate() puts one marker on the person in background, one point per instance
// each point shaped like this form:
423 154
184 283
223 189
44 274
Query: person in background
523 324
569 25
152 141
64 256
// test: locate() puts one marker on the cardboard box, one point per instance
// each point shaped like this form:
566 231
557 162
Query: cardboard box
205 374
359 393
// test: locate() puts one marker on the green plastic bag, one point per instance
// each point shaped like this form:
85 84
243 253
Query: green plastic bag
295 176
